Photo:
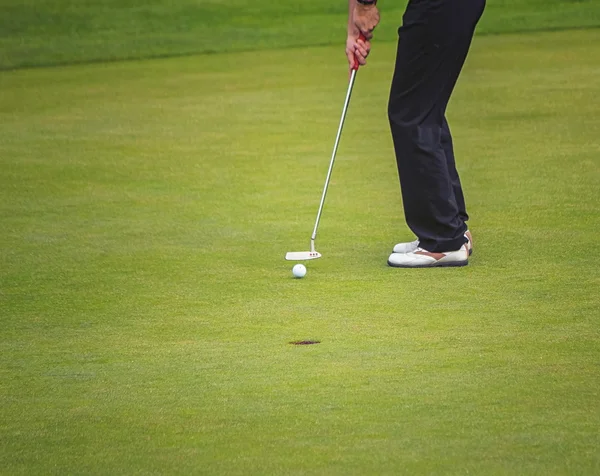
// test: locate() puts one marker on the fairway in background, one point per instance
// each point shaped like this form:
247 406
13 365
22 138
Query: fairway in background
50 32
147 310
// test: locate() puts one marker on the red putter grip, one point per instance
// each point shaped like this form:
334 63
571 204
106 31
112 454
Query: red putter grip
356 63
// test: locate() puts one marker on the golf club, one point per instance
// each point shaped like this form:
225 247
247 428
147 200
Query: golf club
313 253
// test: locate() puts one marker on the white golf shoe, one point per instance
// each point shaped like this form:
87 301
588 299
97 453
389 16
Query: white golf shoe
421 258
411 246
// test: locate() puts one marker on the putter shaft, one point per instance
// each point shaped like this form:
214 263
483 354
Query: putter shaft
335 147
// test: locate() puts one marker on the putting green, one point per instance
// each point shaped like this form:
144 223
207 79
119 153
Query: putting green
147 309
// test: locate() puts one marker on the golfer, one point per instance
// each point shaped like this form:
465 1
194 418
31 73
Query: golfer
433 43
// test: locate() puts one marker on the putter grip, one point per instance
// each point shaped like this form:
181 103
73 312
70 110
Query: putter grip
356 64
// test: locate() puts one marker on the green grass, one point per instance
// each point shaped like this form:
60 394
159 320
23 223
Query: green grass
146 308
49 32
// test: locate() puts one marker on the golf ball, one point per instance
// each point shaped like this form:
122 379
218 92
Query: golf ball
299 270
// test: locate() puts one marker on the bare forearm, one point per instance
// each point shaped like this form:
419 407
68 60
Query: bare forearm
351 5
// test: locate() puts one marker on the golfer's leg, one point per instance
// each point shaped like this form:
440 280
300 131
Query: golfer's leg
460 50
431 51
416 110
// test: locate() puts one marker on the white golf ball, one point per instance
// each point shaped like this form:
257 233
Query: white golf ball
299 270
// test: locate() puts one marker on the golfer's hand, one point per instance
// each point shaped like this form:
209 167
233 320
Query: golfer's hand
366 18
357 49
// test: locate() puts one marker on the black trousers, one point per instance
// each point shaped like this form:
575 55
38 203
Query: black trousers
434 40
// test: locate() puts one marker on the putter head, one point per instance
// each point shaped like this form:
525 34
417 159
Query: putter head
302 255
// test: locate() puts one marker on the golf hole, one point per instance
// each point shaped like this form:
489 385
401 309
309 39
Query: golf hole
305 342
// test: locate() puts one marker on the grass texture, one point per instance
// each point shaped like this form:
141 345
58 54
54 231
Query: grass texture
146 308
50 32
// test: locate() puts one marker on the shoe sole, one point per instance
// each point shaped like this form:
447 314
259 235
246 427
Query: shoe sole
451 264
470 251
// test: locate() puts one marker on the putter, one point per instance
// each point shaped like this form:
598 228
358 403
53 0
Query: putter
313 253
